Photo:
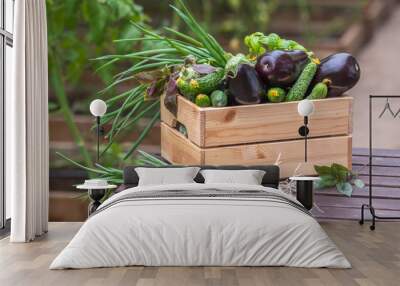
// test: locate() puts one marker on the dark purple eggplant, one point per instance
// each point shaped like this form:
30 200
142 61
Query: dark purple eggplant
246 87
281 68
341 69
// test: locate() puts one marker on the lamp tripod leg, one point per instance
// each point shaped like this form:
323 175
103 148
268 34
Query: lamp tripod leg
98 138
305 137
305 147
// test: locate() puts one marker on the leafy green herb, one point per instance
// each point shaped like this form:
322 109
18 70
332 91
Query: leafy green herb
258 43
152 66
338 176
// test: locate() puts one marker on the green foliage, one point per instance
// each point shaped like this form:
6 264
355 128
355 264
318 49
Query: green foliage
152 66
239 17
114 175
337 176
77 31
81 29
258 44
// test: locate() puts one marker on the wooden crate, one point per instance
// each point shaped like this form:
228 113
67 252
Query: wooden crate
258 134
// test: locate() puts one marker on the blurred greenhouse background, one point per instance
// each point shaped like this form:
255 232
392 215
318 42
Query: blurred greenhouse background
82 30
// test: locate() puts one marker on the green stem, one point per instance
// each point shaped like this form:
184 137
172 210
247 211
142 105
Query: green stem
175 18
143 134
59 90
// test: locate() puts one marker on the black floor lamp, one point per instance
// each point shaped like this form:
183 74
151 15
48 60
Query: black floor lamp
98 108
304 185
96 187
305 108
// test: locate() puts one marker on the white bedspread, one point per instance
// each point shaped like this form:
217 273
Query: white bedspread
183 231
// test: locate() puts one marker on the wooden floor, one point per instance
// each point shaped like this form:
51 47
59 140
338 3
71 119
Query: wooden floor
385 182
375 257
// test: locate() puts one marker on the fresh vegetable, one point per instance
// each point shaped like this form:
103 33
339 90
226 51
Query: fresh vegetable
342 69
171 93
320 90
203 100
203 69
299 89
338 176
219 98
281 68
233 64
188 73
276 94
189 87
246 87
258 44
182 129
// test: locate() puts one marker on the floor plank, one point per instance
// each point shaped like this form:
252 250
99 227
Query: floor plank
375 257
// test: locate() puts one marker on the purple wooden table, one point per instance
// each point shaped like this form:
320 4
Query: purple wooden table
386 182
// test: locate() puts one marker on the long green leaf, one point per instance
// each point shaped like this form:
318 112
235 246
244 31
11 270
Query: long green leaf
109 116
113 84
122 126
119 114
79 165
139 39
143 112
169 60
184 36
138 69
209 38
114 99
143 135
158 37
204 37
141 53
151 158
135 66
109 170
110 62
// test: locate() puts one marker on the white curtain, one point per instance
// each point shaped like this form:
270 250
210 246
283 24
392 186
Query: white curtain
27 124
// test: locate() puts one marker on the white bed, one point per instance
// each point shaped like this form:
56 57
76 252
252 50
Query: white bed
224 225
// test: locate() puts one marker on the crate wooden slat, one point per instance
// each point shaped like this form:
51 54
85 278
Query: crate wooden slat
177 149
211 127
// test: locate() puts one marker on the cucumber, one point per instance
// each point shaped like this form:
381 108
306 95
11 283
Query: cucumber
182 130
276 94
320 90
219 98
203 85
203 100
299 89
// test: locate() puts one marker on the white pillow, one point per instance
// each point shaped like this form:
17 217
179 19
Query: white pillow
248 177
166 176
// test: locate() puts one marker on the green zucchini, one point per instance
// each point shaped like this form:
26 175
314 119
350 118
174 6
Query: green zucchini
299 89
190 87
320 90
